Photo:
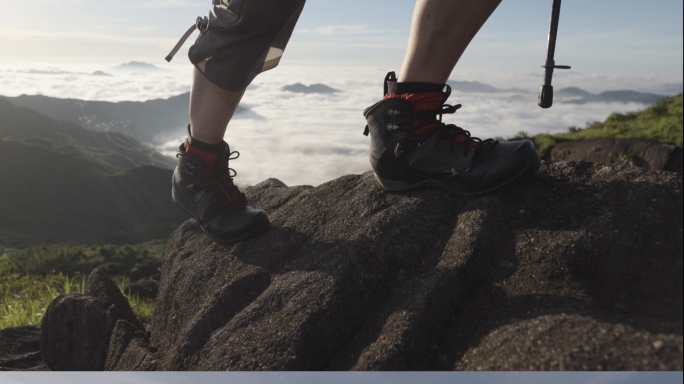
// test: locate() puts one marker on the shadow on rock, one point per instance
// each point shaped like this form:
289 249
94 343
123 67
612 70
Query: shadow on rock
579 267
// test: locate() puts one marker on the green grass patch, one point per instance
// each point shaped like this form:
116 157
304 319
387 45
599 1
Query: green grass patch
660 122
69 259
26 296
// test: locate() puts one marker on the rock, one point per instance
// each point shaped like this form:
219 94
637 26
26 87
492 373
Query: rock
20 349
576 268
76 329
637 152
143 270
128 349
74 334
101 287
144 289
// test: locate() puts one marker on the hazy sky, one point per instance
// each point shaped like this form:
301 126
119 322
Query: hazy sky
628 37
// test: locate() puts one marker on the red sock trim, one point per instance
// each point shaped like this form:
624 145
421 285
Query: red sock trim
208 158
426 101
421 101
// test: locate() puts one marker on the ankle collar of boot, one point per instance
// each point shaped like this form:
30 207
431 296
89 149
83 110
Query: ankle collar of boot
399 88
207 153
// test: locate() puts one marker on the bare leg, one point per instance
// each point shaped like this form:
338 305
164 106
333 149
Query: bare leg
440 32
211 108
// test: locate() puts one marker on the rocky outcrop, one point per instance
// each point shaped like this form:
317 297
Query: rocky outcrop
143 280
21 349
576 268
76 329
638 152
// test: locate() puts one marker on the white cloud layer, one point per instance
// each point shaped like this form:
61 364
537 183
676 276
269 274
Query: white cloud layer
310 138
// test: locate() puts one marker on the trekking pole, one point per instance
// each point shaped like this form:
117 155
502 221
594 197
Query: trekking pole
545 99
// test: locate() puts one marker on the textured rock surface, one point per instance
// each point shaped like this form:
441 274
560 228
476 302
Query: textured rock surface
577 268
76 329
638 152
20 349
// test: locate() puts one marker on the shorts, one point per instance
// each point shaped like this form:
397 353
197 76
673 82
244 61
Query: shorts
243 38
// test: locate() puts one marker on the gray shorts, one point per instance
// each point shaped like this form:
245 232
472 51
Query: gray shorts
243 38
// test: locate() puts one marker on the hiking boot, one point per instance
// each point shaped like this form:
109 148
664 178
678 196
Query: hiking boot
202 185
411 147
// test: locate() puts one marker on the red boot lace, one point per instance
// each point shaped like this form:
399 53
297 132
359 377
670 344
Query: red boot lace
426 121
218 177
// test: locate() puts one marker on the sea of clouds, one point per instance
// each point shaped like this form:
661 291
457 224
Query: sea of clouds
313 138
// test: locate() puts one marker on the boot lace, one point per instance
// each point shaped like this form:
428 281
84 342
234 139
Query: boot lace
219 182
428 124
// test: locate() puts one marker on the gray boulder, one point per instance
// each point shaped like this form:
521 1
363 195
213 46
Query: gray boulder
20 349
576 268
638 152
76 329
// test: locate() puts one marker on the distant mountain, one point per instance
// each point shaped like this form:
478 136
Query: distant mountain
580 96
48 71
572 92
100 73
143 121
477 87
137 66
63 183
669 89
573 95
313 88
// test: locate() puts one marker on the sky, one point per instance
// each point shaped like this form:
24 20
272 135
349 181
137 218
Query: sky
51 48
345 377
601 37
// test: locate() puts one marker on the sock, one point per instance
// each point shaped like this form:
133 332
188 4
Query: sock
207 153
422 96
221 186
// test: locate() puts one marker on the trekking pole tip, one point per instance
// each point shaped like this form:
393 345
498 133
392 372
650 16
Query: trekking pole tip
545 99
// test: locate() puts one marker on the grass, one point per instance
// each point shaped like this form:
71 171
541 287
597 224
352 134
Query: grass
26 297
70 259
660 122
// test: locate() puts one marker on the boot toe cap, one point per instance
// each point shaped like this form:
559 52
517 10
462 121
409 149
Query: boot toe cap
238 226
521 159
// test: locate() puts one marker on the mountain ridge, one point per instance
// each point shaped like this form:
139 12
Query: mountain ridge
69 184
140 120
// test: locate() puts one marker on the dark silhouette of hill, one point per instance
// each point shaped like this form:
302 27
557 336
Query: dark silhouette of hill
574 94
137 66
63 183
476 86
580 96
313 88
143 121
670 89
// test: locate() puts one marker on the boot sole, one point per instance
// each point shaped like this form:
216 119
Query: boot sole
257 229
397 185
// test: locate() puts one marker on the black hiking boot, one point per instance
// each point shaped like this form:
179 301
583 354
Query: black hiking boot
203 186
411 147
